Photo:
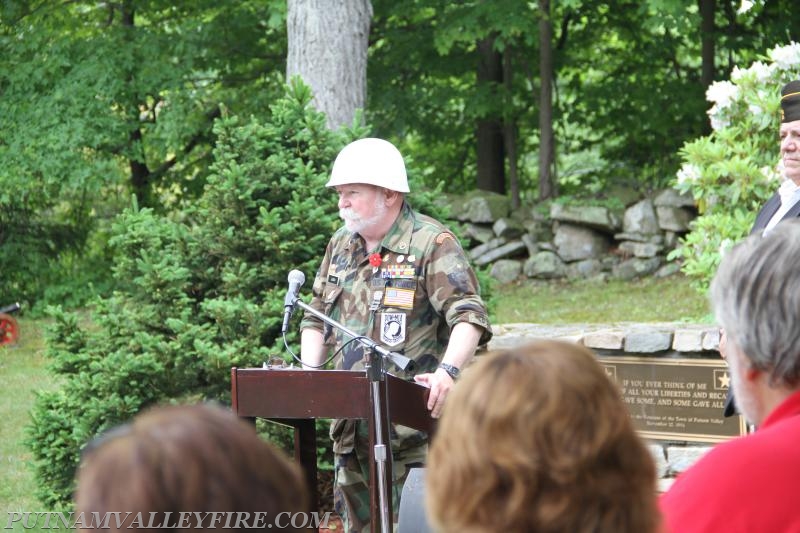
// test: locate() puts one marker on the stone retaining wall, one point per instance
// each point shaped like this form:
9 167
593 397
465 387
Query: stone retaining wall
657 340
571 240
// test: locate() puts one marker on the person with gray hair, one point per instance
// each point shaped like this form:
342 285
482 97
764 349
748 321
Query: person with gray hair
751 483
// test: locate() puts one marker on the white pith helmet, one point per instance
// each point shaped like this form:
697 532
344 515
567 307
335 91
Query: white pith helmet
371 161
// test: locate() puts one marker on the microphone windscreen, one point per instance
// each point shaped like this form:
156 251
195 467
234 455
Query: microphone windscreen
296 276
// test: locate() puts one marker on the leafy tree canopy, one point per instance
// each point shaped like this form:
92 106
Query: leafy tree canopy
104 99
627 80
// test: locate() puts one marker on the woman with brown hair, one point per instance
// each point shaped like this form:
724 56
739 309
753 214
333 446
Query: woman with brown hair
537 439
184 467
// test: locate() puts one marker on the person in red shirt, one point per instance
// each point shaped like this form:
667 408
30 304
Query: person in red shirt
751 483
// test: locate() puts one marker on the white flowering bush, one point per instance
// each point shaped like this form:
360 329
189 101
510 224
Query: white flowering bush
734 170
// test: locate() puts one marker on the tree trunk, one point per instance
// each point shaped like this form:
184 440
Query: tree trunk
328 42
140 174
510 130
490 150
546 141
707 28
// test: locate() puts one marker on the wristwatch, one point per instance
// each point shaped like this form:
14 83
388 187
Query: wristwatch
452 371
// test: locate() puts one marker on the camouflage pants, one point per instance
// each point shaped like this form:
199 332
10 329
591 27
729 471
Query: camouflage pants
351 488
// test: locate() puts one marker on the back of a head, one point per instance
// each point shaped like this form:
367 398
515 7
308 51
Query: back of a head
370 161
188 459
756 298
537 439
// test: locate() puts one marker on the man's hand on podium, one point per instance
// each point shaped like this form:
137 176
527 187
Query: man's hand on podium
440 384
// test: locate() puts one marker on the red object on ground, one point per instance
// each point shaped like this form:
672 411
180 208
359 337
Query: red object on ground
9 329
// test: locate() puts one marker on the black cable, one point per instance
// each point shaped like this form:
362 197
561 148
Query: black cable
328 360
389 453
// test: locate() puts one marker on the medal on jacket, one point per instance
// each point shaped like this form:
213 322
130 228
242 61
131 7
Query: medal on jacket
398 272
377 296
375 260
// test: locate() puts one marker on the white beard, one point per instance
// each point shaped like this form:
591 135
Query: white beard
357 224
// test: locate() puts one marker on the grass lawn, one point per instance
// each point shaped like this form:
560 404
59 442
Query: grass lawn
22 371
23 367
670 299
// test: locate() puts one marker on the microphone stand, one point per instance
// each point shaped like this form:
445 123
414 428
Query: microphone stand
376 371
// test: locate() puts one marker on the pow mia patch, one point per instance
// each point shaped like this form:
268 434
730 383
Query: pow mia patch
393 328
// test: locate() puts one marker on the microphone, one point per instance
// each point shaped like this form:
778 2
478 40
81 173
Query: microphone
402 362
296 280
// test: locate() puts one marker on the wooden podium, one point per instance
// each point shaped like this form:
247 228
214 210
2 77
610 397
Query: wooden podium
297 397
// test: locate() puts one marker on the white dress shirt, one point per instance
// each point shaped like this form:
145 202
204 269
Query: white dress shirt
789 192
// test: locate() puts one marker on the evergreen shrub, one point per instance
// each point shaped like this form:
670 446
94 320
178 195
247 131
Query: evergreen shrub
196 292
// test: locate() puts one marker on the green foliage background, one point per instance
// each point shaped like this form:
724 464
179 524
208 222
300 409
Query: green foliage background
93 93
101 100
627 87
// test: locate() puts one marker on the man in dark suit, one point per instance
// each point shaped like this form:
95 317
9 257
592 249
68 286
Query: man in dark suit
785 203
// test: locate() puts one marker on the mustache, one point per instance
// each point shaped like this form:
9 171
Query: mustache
348 214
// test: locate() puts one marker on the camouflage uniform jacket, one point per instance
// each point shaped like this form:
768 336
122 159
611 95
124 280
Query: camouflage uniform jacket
423 286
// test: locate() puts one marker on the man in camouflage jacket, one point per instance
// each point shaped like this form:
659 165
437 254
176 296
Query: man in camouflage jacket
402 279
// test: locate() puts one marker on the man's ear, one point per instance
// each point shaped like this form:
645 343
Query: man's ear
752 373
392 197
